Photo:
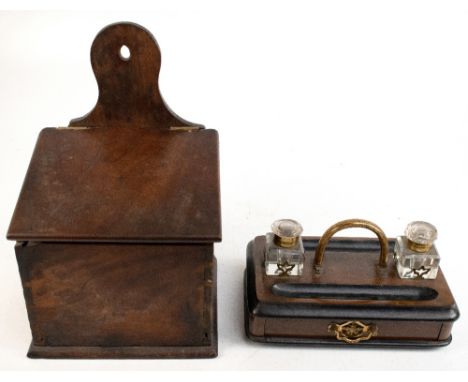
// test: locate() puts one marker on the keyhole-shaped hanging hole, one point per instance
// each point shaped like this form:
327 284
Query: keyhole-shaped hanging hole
124 53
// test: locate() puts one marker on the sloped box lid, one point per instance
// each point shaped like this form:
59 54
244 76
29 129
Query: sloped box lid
121 184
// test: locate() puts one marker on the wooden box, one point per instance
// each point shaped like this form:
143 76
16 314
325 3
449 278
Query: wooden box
116 220
353 301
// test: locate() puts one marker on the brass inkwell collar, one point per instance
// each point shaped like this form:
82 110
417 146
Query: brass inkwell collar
420 236
287 232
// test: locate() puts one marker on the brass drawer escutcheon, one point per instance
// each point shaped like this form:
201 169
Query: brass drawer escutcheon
353 332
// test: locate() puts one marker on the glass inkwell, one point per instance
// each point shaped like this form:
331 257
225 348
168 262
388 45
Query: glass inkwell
284 251
415 254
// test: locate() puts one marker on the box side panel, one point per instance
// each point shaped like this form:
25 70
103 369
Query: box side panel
118 294
445 331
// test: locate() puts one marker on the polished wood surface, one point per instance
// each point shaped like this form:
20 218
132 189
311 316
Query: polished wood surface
128 88
119 295
126 184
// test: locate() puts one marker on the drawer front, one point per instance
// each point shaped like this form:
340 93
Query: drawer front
353 331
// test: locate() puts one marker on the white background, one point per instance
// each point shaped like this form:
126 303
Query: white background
326 110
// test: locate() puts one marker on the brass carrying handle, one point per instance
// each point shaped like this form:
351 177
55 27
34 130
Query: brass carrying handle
350 223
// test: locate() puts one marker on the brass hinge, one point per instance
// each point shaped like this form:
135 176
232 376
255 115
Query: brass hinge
72 128
185 128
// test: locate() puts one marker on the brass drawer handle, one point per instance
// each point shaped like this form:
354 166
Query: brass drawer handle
350 223
353 332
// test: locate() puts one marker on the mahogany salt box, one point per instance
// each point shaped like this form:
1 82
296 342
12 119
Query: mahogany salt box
116 220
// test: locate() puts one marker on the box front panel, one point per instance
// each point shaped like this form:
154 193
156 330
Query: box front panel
118 294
